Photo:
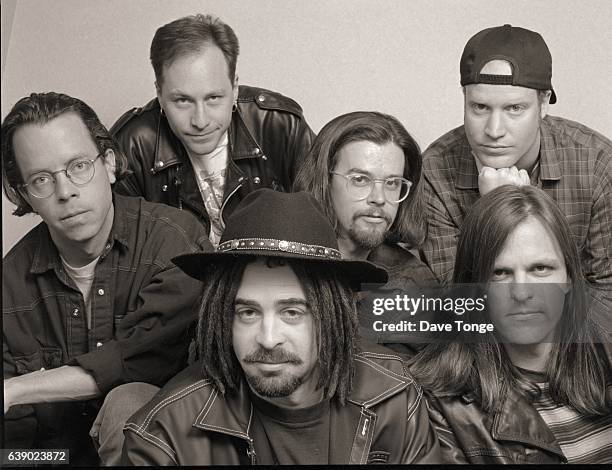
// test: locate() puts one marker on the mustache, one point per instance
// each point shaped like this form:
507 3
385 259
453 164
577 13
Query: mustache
272 355
373 213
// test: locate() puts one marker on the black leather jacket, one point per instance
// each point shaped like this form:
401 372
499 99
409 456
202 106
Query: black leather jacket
190 423
268 136
516 434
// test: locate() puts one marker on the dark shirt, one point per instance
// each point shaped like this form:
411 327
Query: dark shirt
141 309
288 436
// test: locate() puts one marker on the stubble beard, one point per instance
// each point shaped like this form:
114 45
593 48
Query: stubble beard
275 386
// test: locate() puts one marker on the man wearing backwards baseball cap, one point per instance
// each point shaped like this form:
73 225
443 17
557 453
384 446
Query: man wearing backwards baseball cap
507 138
281 377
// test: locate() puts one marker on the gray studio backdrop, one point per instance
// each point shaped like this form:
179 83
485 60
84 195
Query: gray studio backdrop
333 56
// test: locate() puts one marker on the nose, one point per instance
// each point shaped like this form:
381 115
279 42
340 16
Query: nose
377 194
520 289
199 118
269 334
64 187
495 127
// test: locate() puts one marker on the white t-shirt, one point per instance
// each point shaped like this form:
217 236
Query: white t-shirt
210 171
83 277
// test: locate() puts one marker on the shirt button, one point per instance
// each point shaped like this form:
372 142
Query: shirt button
256 180
75 312
100 291
165 188
256 151
98 344
108 245
261 98
159 164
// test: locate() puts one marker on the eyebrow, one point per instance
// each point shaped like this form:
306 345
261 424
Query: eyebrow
367 173
282 302
68 162
537 262
178 92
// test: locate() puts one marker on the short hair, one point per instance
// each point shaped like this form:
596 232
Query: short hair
314 172
40 108
188 35
333 306
575 370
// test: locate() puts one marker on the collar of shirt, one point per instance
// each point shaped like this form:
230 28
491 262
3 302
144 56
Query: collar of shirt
46 256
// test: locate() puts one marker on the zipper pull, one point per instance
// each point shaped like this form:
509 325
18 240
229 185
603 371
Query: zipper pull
365 427
251 452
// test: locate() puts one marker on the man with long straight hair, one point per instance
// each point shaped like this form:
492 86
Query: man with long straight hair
364 168
538 388
281 376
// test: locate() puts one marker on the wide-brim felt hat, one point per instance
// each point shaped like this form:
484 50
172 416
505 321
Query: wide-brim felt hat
281 225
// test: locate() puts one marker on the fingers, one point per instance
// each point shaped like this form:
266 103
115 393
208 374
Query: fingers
491 178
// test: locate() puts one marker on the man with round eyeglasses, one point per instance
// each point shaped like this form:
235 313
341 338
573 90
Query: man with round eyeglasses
90 297
79 171
364 168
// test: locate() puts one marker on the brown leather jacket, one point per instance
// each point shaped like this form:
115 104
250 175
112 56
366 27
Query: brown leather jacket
514 435
268 136
189 422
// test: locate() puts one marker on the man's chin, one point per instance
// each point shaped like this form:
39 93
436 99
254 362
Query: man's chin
368 238
497 162
275 386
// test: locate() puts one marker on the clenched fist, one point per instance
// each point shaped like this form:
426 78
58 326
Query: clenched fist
491 178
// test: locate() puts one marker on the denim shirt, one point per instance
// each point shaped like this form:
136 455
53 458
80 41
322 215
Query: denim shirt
141 303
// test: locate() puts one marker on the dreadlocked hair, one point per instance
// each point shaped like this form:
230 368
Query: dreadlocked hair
333 307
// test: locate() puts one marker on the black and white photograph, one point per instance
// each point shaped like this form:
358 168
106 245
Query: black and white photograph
306 233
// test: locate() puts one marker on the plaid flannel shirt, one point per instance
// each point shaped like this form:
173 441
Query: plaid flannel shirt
575 170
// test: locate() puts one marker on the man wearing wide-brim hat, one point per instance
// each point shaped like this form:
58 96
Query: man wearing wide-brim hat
281 377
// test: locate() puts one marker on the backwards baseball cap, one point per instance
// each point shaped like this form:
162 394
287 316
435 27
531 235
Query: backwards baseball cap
525 50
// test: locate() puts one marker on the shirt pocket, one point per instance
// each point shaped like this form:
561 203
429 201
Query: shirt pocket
48 358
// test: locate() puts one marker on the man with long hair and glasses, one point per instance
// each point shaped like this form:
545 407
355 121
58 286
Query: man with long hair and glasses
281 376
364 168
90 298
538 388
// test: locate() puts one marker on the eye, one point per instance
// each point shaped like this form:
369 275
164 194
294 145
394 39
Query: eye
393 184
247 315
479 107
359 180
214 97
516 108
40 180
293 315
500 274
542 270
79 166
180 100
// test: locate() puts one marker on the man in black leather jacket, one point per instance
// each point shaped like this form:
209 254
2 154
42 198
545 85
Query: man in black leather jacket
281 376
204 143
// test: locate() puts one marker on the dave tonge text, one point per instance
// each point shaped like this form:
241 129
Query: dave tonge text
426 326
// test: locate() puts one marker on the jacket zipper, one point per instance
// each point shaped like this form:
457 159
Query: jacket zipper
227 199
251 452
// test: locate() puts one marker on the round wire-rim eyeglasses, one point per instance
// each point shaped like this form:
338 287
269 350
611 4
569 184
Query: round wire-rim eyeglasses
79 171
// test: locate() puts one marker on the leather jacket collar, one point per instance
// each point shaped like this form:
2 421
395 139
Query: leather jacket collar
169 151
232 414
